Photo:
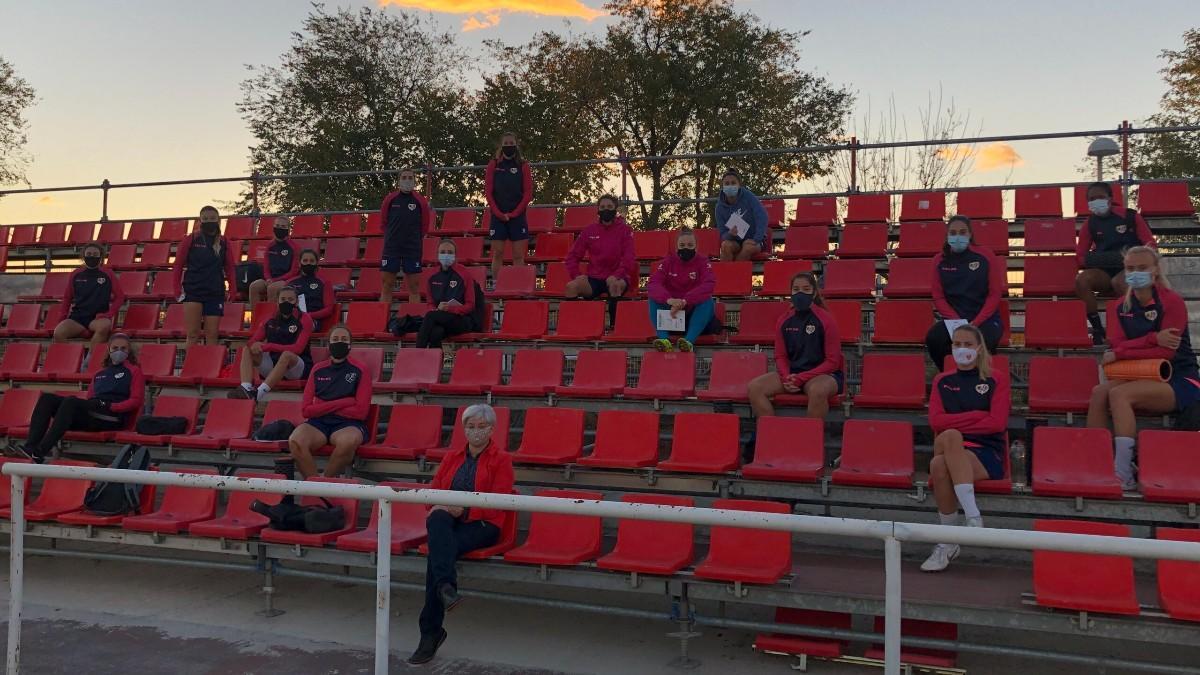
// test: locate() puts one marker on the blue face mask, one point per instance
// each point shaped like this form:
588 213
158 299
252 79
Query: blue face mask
730 190
958 242
1139 279
446 259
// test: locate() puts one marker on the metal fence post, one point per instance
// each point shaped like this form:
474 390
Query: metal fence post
383 586
254 180
624 174
853 164
1125 127
428 182
104 186
891 610
16 574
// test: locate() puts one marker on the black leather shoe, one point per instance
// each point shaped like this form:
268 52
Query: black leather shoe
427 649
450 597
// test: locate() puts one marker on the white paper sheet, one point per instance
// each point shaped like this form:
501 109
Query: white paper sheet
737 225
668 323
301 304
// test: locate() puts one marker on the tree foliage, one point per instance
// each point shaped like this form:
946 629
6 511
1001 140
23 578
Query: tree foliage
16 95
1173 155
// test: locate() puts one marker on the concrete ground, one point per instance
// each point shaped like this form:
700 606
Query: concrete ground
96 618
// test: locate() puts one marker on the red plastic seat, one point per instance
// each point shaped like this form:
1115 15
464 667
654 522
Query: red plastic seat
1169 467
157 361
238 521
624 439
598 374
240 228
412 429
704 443
226 420
81 233
23 235
1050 275
142 230
733 279
556 280
1084 582
133 284
535 372
458 437
575 218
579 321
552 436
1060 385
368 321
992 235
413 370
1056 324
650 547
863 240
747 555
20 360
53 235
349 505
373 227
847 314
794 645
1050 236
921 239
810 242
164 287
1081 207
1038 203
919 656
408 526
199 362
876 453
916 206
777 276
558 538
155 256
308 225
475 371
57 496
523 320
459 221
848 279
181 506
1179 580
232 320
174 230
909 278
84 517
551 246
507 541
345 225
540 219
16 407
54 286
651 244
165 406
788 448
902 321
869 209
632 323
756 326
892 381
776 212
139 318
815 211
63 359
340 251
277 409
729 374
372 254
515 282
120 257
173 325
1158 200
665 375
982 203
23 319
1074 462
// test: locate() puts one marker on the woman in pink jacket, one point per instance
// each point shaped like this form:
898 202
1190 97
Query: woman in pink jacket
683 282
608 245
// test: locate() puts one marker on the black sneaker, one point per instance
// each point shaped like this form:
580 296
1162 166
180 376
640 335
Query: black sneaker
16 449
450 597
427 649
243 393
1099 338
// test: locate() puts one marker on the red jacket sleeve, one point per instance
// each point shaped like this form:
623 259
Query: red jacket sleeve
1144 234
501 483
230 269
116 296
1146 347
526 190
137 392
656 288
992 421
64 307
429 291
629 266
833 349
297 347
939 419
702 291
181 254
383 208
939 293
578 250
426 214
997 283
441 479
782 364
311 406
1083 244
488 186
260 333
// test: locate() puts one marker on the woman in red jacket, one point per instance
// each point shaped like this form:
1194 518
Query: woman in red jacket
968 411
481 466
508 186
204 265
683 282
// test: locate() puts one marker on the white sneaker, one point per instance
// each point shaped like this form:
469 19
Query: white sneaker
940 558
977 521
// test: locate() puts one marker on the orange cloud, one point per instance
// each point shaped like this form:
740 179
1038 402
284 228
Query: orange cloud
988 158
486 13
45 200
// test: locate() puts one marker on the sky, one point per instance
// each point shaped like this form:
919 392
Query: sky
140 90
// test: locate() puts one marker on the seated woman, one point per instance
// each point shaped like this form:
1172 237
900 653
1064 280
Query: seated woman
481 466
116 392
90 303
315 290
1150 322
967 284
335 405
737 200
453 300
278 350
808 354
1109 230
279 263
683 282
608 246
968 411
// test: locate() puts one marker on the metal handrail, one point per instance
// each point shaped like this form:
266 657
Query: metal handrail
890 532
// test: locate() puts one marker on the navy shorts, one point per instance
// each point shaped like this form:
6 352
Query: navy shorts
600 287
1186 388
989 450
330 424
397 263
516 229
212 306
840 378
84 320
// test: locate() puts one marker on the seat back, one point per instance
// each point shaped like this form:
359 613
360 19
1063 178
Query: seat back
557 279
626 435
553 245
776 212
20 358
787 442
121 255
24 316
902 321
751 548
515 281
649 539
1061 384
233 318
1048 236
238 228
869 209
187 407
414 426
848 279
992 235
345 225
203 361
280 409
553 431
1050 275
59 495
921 238
459 221
373 226
815 211
847 314
1039 202
757 322
365 319
164 286
671 370
174 230
923 206
651 244
1083 581
1179 579
894 375
732 371
16 406
418 367
777 276
1056 323
733 279
877 447
173 320
909 278
81 233
524 318
1165 199
600 368
537 367
476 367
632 322
1072 459
54 284
983 203
63 358
228 419
157 360
562 532
190 503
575 218
806 242
863 240
1168 466
458 437
580 320
140 316
541 219
53 235
340 251
133 284
23 235
706 438
308 225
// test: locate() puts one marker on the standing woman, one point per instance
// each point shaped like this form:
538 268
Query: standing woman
204 263
1150 322
1108 232
508 186
968 411
967 284
407 219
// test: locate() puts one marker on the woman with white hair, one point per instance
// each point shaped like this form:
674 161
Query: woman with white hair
480 466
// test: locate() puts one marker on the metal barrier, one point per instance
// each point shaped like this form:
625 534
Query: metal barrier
891 533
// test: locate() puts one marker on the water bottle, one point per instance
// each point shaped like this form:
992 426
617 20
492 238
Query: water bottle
1018 459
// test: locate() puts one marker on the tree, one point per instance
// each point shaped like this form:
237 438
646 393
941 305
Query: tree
1174 155
358 91
15 96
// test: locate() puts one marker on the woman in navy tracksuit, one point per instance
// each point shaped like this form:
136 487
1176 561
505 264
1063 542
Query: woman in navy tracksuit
204 263
1150 322
407 218
116 392
335 404
317 291
968 411
508 187
451 292
91 301
967 284
808 354
280 261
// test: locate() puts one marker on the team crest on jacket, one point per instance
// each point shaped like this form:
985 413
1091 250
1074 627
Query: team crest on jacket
284 252
982 388
453 283
351 377
412 206
810 329
119 375
100 280
292 328
692 276
312 286
512 170
1122 228
973 266
1151 314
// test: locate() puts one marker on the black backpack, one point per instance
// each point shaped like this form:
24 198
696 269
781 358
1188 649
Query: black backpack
477 316
247 273
287 515
115 499
279 430
161 426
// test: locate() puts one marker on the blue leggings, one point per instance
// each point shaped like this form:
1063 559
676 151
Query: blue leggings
697 318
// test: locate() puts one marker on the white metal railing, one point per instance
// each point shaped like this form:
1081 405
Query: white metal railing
891 533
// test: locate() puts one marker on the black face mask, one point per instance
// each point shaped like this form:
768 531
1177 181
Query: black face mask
509 151
285 308
308 270
209 228
92 261
802 302
607 215
339 350
281 233
686 254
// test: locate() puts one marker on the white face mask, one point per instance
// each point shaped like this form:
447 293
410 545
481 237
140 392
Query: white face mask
478 436
1098 207
406 184
964 356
